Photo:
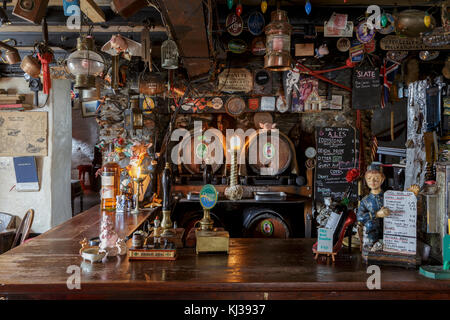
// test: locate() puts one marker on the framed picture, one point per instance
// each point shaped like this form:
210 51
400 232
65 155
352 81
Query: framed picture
89 108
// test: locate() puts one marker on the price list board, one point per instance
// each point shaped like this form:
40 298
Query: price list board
400 227
337 150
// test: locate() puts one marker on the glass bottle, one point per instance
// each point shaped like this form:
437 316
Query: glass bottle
110 180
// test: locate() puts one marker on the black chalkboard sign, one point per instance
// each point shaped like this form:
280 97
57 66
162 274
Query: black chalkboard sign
366 92
337 153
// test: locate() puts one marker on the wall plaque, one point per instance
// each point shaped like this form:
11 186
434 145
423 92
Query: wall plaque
236 80
407 43
366 93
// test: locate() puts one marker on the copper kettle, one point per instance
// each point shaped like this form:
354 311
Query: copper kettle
11 54
31 66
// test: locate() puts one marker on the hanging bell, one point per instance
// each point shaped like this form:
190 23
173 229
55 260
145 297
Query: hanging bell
169 54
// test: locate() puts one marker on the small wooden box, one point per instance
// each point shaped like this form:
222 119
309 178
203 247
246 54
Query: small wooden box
212 241
31 10
304 49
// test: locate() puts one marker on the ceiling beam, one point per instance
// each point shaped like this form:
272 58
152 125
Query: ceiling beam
64 29
92 11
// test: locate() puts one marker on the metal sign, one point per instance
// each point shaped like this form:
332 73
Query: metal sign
208 197
407 43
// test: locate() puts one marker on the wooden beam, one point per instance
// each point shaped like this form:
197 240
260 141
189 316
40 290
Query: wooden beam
187 22
92 11
58 3
64 29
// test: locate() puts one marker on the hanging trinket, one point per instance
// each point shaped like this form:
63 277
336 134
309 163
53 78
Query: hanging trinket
384 20
427 20
239 9
389 27
308 7
263 6
230 4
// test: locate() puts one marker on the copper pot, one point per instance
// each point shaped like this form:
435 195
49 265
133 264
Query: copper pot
11 54
410 23
31 66
151 84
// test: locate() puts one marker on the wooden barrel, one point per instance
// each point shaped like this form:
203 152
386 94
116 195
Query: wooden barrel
199 153
273 146
264 223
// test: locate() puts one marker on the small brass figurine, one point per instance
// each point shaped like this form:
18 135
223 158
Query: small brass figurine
371 209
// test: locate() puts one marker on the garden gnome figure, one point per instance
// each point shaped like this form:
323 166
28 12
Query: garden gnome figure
371 210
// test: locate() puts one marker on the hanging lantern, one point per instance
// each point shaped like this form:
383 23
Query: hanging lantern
85 64
263 6
169 54
278 42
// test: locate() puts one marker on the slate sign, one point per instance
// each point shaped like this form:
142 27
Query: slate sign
336 155
366 92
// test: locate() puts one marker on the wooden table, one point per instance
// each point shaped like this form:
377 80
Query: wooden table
254 269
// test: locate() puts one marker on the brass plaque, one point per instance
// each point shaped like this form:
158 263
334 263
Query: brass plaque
236 80
405 43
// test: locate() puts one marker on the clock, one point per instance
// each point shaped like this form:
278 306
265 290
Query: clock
310 152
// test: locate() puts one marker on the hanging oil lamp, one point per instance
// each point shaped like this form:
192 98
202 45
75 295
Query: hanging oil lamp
169 54
278 42
85 64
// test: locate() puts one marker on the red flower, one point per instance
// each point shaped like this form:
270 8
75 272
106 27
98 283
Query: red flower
352 175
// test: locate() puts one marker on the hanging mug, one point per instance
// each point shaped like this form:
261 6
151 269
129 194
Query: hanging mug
31 66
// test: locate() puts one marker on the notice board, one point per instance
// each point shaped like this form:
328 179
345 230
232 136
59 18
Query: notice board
23 133
337 150
366 91
400 226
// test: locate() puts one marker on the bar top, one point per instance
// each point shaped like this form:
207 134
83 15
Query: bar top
253 269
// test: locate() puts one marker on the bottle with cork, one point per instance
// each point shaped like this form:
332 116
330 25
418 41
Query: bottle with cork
110 180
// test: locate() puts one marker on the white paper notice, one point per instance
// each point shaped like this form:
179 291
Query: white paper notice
325 240
400 227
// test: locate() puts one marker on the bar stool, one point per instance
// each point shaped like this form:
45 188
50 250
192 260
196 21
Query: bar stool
82 170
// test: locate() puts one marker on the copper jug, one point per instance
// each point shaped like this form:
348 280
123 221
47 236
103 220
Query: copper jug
31 66
11 54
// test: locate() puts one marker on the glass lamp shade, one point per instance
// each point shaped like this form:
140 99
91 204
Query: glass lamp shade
85 64
169 54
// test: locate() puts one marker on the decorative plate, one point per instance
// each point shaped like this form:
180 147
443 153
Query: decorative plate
235 106
343 44
217 103
390 27
364 33
235 24
256 23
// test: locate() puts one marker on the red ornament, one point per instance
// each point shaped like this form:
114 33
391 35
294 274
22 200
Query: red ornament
239 10
352 175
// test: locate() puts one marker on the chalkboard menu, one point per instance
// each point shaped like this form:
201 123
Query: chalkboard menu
336 155
366 93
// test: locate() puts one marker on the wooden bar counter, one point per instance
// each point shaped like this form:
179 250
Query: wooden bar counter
254 269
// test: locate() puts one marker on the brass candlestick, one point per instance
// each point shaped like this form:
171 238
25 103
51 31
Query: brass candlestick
234 191
166 223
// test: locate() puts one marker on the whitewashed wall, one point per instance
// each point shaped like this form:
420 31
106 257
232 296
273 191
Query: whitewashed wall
52 202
